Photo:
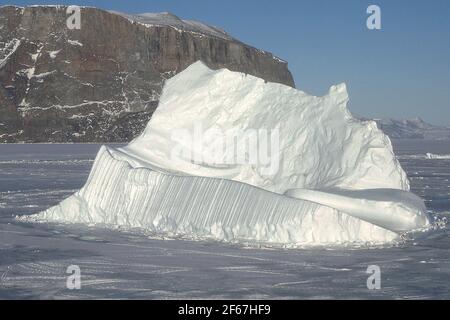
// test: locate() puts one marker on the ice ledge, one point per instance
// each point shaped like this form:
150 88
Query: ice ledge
395 210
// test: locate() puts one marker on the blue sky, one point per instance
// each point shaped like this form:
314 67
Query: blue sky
401 71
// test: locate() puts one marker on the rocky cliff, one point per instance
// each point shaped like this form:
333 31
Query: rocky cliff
102 82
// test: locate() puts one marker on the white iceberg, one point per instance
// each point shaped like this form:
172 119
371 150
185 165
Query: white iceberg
336 179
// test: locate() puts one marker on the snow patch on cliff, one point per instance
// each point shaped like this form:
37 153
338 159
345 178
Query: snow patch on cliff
53 54
75 43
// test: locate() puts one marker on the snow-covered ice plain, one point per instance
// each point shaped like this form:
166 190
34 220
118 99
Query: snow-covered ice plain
134 264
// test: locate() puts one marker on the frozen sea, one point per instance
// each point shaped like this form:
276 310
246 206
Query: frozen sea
126 264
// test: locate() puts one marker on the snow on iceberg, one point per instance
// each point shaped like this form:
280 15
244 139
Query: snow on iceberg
336 179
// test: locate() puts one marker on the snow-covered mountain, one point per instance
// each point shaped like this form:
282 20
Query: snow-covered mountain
413 129
103 82
168 19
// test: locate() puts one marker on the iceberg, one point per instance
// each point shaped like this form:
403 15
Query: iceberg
324 177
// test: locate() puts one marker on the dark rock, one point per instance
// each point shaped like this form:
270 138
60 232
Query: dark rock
102 83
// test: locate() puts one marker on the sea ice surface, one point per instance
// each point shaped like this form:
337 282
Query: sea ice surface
136 264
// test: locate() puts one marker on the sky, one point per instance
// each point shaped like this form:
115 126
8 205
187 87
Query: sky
400 71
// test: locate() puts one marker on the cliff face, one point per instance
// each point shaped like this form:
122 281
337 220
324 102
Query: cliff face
103 82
